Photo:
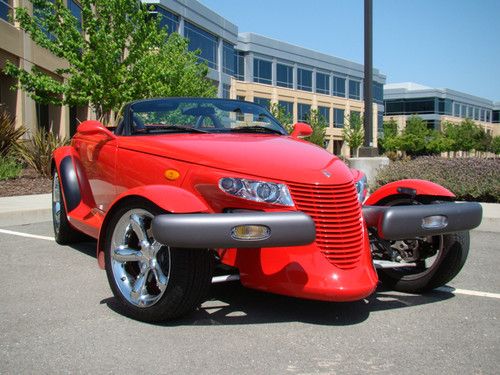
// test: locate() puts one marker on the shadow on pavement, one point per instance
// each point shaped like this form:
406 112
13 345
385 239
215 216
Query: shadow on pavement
232 304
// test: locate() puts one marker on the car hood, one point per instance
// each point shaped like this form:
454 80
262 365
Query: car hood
260 155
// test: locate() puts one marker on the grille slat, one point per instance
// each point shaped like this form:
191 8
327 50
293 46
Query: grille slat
336 212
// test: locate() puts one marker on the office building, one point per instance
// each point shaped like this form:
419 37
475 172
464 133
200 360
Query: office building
245 66
402 100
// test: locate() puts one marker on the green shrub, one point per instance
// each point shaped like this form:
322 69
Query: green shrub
9 168
9 135
475 179
37 152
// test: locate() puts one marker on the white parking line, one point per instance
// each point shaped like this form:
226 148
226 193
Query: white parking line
449 289
20 234
446 289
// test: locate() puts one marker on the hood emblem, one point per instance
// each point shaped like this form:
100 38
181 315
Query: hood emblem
326 173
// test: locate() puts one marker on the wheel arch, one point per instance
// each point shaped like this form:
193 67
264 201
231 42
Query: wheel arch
167 198
413 188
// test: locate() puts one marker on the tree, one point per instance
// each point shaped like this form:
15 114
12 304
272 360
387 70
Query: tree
318 124
465 136
118 54
280 113
387 141
438 143
495 145
414 138
353 132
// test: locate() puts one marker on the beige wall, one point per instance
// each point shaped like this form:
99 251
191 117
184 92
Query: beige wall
250 90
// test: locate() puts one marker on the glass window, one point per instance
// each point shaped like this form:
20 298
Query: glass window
394 107
167 19
304 79
262 71
338 118
444 106
181 115
470 112
495 116
5 9
421 105
226 91
262 101
325 113
304 111
228 58
39 17
323 83
287 106
339 87
456 109
354 90
476 113
378 92
488 116
482 114
239 65
204 41
464 111
76 11
284 75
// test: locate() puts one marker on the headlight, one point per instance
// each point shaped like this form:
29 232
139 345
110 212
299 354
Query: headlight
258 191
361 188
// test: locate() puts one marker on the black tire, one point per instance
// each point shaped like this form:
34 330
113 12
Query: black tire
448 264
189 271
452 252
64 233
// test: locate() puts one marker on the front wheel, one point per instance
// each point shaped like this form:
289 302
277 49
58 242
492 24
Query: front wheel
153 282
421 264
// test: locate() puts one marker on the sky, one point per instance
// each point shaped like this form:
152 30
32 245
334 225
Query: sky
451 44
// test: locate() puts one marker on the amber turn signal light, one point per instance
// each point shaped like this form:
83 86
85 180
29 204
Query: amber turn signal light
172 174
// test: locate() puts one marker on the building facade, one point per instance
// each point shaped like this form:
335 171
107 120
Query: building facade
299 79
244 66
402 100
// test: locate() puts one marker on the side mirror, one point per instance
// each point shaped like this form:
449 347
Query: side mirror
94 127
301 129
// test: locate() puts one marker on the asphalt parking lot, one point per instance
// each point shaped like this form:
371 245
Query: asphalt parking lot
58 315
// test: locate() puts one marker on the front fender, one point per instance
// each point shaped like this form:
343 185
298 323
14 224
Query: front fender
412 187
169 198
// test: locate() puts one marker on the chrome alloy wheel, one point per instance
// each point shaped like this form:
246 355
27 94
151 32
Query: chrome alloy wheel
56 203
140 265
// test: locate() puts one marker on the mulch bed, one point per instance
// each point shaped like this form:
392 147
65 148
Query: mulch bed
27 184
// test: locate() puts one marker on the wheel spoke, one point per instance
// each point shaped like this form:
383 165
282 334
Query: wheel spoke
139 290
138 226
124 254
161 279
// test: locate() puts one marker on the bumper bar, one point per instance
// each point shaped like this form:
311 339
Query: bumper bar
216 230
404 222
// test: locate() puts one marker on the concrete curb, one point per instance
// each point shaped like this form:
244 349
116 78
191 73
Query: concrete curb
27 209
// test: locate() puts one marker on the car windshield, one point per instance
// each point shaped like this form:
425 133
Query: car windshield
195 115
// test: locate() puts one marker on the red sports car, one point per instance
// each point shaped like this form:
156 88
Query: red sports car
185 186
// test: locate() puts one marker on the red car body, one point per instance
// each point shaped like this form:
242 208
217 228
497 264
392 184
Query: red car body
180 173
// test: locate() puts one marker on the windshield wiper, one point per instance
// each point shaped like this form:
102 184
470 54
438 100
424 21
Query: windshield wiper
176 128
255 129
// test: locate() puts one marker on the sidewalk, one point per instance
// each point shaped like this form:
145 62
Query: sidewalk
28 209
